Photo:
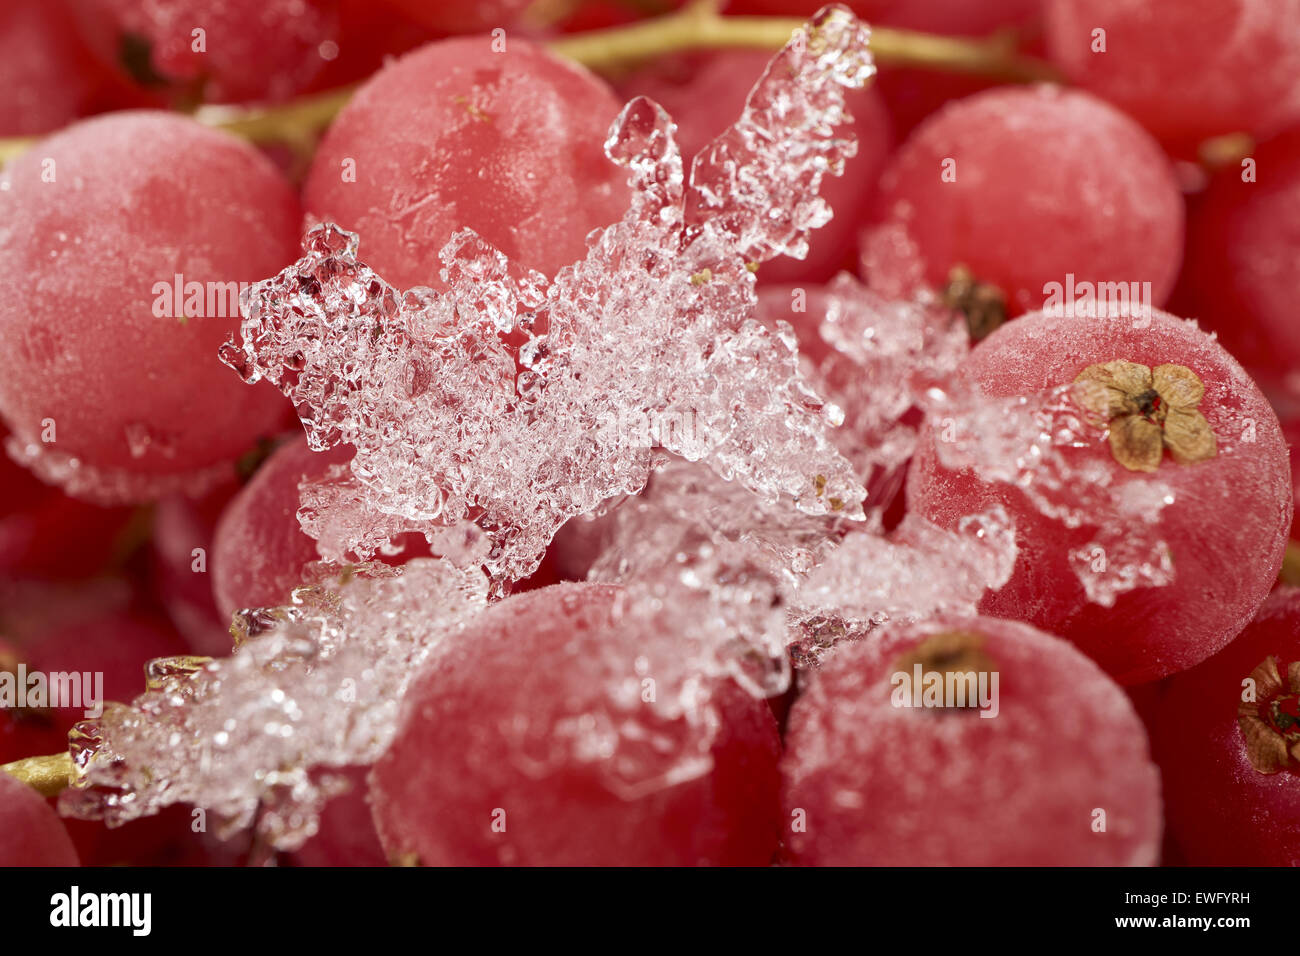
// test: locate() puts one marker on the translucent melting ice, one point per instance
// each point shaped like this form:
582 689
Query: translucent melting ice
318 683
488 416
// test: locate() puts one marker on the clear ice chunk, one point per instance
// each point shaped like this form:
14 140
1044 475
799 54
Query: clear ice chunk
315 684
488 416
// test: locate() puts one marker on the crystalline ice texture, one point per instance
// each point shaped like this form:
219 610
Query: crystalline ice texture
916 572
1025 442
770 578
317 683
731 564
488 416
889 356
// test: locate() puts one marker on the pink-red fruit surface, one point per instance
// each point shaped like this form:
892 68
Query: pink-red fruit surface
1225 529
459 134
1223 811
98 226
1057 774
1024 186
514 749
31 833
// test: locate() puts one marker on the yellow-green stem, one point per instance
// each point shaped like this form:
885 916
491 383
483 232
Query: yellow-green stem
48 775
698 26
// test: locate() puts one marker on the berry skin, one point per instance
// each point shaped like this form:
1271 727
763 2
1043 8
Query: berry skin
47 77
868 782
181 578
448 137
1184 69
1243 257
472 17
1225 530
31 833
94 228
1022 186
25 732
116 643
347 831
515 725
247 50
1222 810
259 551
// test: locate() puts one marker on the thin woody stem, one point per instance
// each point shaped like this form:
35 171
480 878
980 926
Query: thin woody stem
48 775
698 26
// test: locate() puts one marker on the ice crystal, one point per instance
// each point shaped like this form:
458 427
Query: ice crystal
828 578
315 684
886 359
488 416
916 572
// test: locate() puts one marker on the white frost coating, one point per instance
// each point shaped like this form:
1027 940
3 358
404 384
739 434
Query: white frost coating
316 684
770 578
503 440
1026 442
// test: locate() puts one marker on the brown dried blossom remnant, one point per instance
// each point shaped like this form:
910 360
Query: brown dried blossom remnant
1146 411
948 653
1270 722
983 304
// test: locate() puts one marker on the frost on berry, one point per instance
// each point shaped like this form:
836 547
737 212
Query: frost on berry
317 683
487 416
1026 442
917 572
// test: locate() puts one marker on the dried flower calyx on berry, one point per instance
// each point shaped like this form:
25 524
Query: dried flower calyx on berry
1147 411
943 662
1270 721
983 304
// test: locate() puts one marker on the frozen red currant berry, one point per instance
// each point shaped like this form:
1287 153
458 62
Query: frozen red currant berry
1157 527
124 266
502 139
967 742
1016 188
31 833
1227 738
549 732
1243 257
